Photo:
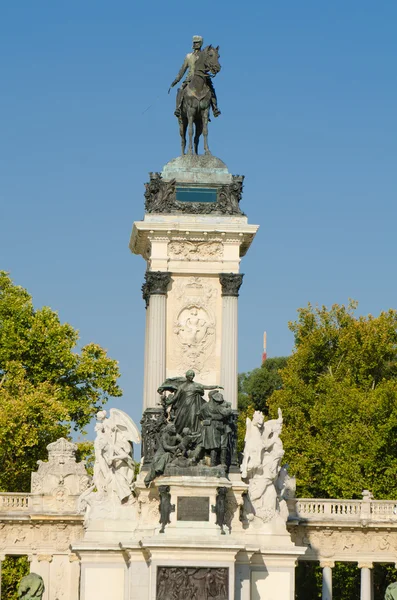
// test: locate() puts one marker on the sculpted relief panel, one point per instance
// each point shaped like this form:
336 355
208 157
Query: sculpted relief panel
186 250
193 321
345 544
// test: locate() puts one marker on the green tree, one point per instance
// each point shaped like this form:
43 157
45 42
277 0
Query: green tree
256 387
47 387
339 403
13 568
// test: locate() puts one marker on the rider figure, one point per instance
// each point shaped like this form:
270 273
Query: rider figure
189 63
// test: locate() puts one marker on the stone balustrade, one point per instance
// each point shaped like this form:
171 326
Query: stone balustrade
316 510
15 502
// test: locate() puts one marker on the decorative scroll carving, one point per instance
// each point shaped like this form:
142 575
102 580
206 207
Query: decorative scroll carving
152 422
194 323
160 197
186 250
229 196
196 583
231 283
159 194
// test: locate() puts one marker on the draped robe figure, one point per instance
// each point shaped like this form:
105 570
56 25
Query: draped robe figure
187 401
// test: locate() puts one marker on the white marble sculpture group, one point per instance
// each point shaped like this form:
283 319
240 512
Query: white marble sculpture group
112 491
269 484
114 467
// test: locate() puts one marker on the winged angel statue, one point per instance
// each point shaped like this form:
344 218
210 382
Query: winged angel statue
114 467
270 485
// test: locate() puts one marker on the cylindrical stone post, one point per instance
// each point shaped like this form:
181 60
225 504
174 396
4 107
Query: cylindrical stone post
155 294
366 581
231 283
327 567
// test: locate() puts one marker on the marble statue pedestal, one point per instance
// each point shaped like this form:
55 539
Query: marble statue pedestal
129 560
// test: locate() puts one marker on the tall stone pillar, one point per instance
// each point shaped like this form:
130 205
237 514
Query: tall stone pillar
154 292
44 564
366 581
155 295
231 283
327 567
74 575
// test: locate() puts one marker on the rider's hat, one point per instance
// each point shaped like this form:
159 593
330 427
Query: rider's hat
197 38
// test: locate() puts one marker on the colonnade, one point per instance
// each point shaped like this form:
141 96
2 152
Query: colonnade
366 582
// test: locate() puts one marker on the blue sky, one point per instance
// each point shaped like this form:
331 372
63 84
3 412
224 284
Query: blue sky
308 95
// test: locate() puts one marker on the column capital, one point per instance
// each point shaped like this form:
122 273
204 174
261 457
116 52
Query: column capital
365 565
45 557
327 563
156 282
73 557
231 283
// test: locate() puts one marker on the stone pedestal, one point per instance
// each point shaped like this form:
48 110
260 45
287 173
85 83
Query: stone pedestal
194 249
186 533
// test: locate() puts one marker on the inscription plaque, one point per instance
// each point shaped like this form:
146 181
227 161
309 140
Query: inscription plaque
192 583
193 508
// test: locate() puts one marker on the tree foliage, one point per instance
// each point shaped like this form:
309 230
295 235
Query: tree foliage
47 387
339 403
258 385
13 568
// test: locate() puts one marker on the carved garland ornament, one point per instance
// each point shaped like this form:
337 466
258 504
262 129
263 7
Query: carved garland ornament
186 250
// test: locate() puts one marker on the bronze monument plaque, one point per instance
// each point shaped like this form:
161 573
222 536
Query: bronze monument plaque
193 508
192 583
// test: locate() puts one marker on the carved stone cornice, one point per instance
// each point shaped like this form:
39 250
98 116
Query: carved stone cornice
156 282
231 283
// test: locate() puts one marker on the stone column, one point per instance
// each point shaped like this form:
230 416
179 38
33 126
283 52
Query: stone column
74 575
2 557
155 294
44 561
230 283
327 567
366 587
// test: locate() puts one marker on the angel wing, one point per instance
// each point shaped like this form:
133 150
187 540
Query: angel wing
248 423
124 423
171 384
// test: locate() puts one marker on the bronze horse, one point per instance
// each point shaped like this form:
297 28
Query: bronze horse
196 100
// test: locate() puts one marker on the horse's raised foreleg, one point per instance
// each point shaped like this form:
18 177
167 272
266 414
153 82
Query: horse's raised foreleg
205 131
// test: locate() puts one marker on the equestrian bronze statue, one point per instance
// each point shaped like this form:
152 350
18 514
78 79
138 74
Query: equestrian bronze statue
197 94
